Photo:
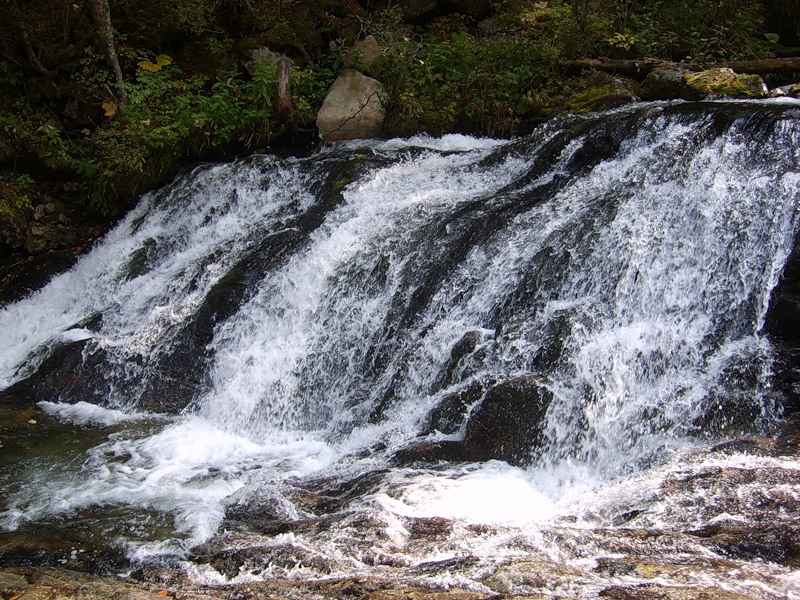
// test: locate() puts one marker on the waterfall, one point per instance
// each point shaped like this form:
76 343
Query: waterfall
276 318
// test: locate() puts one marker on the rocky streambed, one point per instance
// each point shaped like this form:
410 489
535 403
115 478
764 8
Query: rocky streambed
719 523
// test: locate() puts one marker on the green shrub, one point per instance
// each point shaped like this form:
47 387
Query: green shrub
466 83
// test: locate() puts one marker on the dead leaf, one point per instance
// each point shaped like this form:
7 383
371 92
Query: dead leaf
110 107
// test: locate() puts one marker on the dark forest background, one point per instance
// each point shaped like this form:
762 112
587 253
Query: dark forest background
103 99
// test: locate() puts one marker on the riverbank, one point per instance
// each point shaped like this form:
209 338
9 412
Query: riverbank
87 126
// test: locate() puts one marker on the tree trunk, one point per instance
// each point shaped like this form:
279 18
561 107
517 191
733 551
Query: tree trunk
283 91
101 15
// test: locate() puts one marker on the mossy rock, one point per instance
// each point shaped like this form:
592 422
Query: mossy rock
604 92
724 82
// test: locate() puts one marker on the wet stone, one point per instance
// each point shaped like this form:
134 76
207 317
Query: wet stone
440 566
754 446
755 541
452 409
430 527
63 584
411 594
511 578
657 592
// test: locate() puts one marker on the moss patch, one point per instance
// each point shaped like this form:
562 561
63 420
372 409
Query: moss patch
724 82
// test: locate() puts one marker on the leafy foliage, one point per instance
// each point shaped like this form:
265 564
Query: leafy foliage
188 97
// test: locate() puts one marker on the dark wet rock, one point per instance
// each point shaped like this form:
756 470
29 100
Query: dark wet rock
787 442
52 548
448 416
750 445
782 325
72 372
660 592
340 494
422 594
430 527
435 567
269 515
255 560
754 541
665 83
682 571
62 584
431 452
461 349
83 371
506 425
466 357
536 574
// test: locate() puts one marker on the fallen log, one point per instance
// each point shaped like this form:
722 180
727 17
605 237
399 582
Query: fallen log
763 67
640 68
628 68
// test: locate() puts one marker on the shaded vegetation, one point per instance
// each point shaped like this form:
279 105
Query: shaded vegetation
190 88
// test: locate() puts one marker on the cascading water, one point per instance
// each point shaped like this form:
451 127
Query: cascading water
274 321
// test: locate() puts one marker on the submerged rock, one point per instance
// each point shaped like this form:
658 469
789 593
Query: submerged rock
530 574
62 584
754 541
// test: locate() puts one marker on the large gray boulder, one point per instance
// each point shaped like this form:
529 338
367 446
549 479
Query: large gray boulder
365 52
353 108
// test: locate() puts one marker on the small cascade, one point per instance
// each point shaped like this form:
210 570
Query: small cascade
604 280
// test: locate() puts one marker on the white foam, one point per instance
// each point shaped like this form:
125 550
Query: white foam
84 413
492 492
187 469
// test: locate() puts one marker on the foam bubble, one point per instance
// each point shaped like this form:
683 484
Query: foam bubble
493 492
84 413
